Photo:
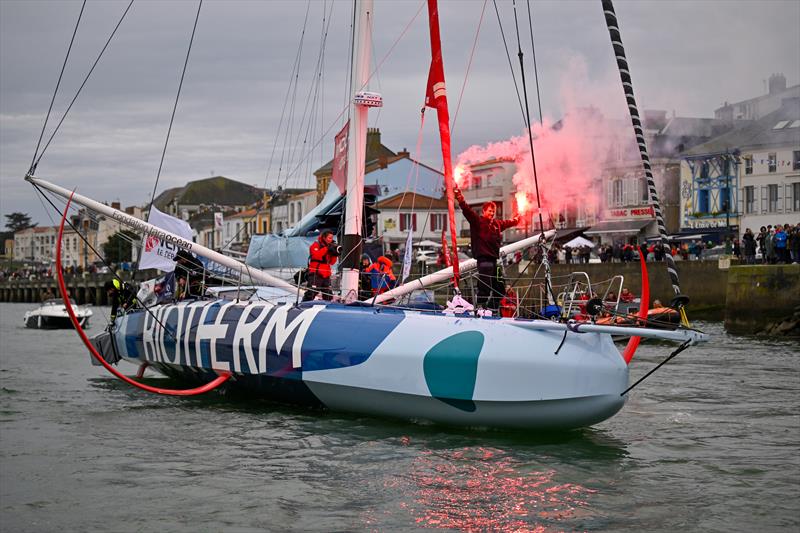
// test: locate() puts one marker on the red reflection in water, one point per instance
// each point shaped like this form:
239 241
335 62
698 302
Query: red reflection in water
480 489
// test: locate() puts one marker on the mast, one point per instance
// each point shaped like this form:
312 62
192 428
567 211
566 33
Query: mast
636 121
356 150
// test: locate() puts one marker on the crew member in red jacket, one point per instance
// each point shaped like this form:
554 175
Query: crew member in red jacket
323 253
486 235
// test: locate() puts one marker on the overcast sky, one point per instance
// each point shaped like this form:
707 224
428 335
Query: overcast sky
686 56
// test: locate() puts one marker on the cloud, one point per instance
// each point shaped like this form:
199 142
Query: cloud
684 56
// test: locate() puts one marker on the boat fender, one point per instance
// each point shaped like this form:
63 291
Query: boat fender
594 306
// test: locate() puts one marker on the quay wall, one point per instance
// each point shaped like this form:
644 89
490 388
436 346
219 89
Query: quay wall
88 290
749 298
763 299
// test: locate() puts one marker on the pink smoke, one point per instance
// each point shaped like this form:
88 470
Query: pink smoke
570 155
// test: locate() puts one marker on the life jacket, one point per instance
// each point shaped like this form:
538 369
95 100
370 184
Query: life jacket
320 259
508 305
382 276
664 316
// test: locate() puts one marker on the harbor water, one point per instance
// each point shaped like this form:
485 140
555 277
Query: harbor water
710 442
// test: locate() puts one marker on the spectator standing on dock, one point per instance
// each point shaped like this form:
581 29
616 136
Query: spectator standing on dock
749 242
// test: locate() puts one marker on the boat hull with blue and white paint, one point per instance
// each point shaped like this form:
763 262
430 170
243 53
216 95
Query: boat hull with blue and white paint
459 370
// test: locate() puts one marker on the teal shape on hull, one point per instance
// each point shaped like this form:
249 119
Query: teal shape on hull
451 368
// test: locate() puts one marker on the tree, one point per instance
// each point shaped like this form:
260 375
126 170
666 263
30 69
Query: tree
119 246
18 221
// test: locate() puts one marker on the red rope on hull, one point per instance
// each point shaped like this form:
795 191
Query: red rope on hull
223 377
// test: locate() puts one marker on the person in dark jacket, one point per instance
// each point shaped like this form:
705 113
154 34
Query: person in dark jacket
322 253
120 296
486 236
749 242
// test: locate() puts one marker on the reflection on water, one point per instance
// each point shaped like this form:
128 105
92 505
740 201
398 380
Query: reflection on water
708 443
480 489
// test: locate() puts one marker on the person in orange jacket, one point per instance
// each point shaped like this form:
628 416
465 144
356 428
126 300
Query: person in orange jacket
323 253
383 278
509 302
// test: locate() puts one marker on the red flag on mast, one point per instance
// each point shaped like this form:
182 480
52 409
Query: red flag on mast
339 170
436 97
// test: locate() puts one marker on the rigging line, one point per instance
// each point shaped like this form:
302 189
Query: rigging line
680 348
55 91
287 139
345 111
312 103
291 93
510 65
283 114
533 154
469 65
175 107
96 61
535 70
83 238
627 86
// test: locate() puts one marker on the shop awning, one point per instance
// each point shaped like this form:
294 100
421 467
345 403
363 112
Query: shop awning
618 227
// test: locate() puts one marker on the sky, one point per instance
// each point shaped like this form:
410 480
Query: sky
241 115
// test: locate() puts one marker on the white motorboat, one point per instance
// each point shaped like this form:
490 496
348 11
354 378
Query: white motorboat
52 314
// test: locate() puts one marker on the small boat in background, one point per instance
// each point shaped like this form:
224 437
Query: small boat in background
52 314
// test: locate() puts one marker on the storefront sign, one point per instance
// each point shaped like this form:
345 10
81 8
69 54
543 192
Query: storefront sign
630 213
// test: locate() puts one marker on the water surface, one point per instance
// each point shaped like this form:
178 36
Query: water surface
708 443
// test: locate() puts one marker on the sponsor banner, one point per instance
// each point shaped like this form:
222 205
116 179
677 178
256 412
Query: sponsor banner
339 175
217 221
158 252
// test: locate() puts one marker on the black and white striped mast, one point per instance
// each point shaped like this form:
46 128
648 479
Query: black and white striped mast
627 86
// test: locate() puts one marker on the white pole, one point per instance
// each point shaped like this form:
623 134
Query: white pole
356 154
447 273
149 229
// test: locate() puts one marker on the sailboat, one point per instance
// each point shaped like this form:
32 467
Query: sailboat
448 367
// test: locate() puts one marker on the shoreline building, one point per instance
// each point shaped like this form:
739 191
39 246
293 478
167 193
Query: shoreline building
747 178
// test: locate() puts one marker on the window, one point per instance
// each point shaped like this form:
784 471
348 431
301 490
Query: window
702 200
408 221
796 197
748 164
299 210
749 199
291 212
772 161
645 192
439 222
772 191
704 170
617 193
796 160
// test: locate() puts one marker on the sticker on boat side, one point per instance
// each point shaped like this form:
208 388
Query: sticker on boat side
228 336
451 368
257 338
